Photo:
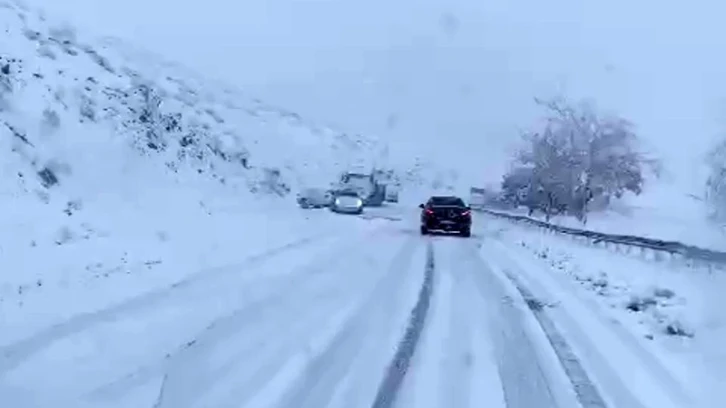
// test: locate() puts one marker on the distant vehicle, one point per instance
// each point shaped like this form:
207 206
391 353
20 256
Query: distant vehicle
314 198
391 194
347 202
367 186
477 197
446 213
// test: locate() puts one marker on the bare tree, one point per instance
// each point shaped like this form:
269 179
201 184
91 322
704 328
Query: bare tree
516 184
578 156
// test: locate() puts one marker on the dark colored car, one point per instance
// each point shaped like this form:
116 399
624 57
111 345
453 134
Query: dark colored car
446 213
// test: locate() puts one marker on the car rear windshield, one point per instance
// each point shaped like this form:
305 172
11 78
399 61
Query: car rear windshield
347 193
447 201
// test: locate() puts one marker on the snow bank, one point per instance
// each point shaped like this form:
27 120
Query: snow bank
675 310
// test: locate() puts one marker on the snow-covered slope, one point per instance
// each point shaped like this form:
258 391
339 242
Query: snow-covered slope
116 166
662 316
55 79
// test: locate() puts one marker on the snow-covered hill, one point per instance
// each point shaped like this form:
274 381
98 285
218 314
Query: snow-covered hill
53 80
116 164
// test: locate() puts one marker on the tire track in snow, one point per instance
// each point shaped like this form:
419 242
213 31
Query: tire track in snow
586 333
587 393
459 352
319 381
16 353
391 384
612 354
273 289
192 376
523 377
445 364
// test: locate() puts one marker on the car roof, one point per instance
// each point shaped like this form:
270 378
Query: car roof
445 198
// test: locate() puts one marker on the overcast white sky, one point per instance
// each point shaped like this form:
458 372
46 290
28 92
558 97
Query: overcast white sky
457 90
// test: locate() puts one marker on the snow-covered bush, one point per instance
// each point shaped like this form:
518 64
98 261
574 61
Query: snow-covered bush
6 85
51 120
578 155
149 121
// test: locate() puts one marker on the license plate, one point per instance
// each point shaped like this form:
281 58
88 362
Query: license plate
448 222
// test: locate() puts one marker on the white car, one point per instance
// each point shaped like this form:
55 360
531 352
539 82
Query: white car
347 202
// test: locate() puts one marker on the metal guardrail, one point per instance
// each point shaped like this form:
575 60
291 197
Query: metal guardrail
671 247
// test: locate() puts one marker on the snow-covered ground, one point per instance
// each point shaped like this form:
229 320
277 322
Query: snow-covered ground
112 159
663 317
99 203
367 313
150 255
102 189
115 350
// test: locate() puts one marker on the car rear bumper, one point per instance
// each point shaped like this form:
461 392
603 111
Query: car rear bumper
447 226
347 210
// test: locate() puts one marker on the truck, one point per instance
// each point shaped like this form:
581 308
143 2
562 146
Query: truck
371 191
391 193
477 197
390 183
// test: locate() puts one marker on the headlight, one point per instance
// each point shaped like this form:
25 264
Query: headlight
337 201
359 203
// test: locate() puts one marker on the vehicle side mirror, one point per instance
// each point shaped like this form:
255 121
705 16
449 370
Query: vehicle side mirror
421 206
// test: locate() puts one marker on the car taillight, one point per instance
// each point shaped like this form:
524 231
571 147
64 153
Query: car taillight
429 211
466 213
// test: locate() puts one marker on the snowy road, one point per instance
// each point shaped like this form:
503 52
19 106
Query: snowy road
371 317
